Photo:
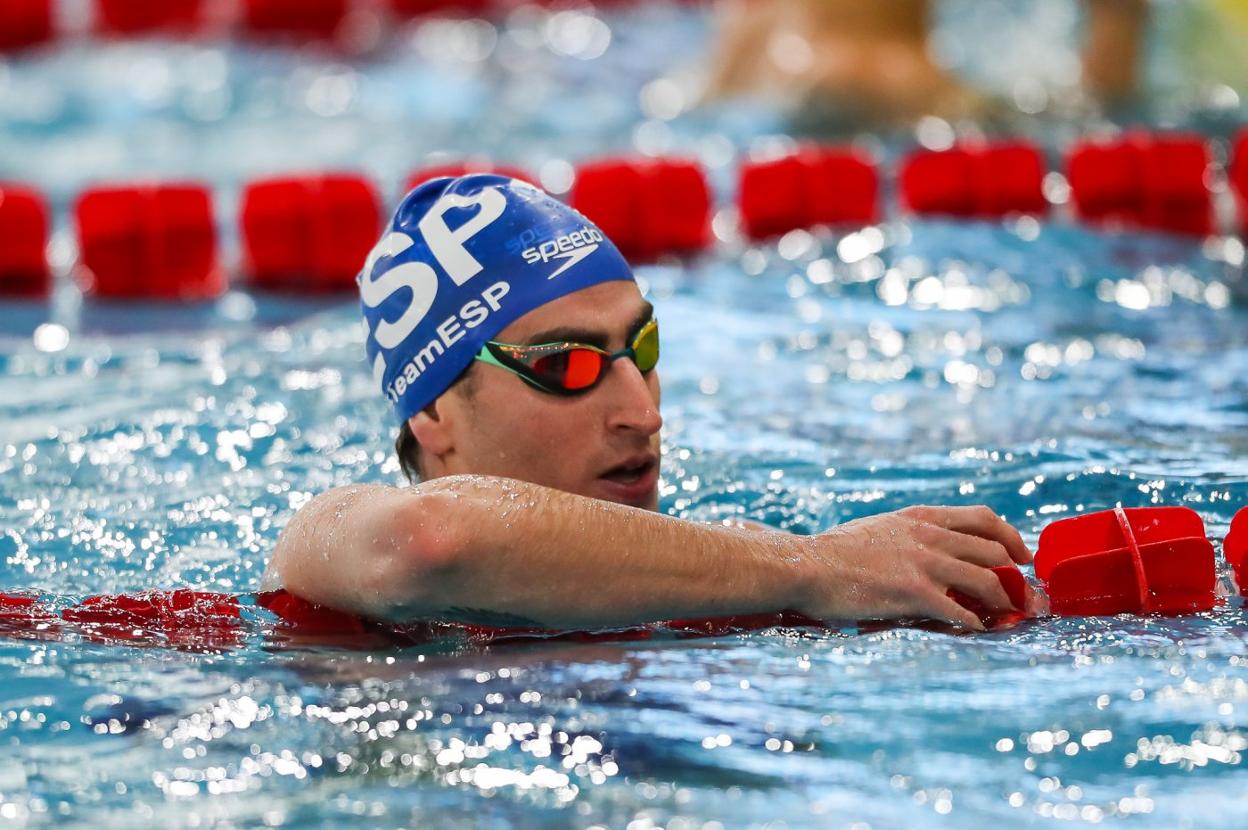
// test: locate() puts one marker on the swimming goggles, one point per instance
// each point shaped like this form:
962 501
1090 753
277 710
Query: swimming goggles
570 368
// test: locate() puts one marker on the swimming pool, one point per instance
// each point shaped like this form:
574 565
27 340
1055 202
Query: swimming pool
1039 368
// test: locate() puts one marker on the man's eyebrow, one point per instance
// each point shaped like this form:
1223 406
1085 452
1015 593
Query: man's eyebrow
593 338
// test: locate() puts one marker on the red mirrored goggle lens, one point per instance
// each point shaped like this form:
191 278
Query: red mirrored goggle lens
576 368
570 369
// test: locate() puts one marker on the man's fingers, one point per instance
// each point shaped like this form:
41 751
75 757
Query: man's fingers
986 553
943 608
983 523
978 583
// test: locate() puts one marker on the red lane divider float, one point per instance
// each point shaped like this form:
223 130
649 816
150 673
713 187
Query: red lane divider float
23 240
989 181
25 613
184 618
1235 549
1136 560
154 241
137 17
25 23
204 620
309 233
646 207
1141 180
307 18
462 168
814 186
1016 588
1238 174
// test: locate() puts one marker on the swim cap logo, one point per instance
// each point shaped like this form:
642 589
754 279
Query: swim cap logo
571 247
447 247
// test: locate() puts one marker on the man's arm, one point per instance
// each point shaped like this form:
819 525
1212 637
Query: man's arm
503 552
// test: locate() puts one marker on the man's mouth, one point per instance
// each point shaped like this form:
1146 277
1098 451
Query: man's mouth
630 472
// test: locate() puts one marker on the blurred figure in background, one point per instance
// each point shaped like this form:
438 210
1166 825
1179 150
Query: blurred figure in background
869 59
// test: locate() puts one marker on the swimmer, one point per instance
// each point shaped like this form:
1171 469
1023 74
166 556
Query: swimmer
872 60
522 363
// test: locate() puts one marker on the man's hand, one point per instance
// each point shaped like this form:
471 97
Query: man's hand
901 564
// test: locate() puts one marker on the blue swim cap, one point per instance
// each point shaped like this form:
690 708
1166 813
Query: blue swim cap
461 259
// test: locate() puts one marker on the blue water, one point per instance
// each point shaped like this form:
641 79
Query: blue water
1039 368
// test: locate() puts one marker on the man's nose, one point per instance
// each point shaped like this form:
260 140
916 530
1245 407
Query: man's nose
634 398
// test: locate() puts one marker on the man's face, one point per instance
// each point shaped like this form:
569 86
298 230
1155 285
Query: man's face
602 443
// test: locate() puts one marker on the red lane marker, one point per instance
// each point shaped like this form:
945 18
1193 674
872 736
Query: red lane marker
1016 588
23 613
24 23
990 181
1176 188
181 618
308 233
1238 173
155 242
181 607
131 17
463 168
1010 179
1235 549
646 207
311 18
1105 182
309 617
939 182
23 240
814 186
1089 566
1143 181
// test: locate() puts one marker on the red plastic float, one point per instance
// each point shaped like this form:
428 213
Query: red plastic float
132 17
25 613
1235 549
23 240
181 617
1016 588
1238 174
308 18
309 233
646 207
814 186
987 181
155 242
463 168
1143 181
1136 560
24 23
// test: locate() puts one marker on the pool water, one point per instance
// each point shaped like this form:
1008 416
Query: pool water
1040 368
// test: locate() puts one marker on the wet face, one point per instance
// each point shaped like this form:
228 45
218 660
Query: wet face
603 443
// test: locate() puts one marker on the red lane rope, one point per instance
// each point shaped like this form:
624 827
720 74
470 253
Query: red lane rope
668 209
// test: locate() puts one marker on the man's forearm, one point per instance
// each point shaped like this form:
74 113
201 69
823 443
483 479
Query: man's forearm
501 552
522 555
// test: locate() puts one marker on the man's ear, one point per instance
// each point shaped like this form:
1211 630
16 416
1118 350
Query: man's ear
432 429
